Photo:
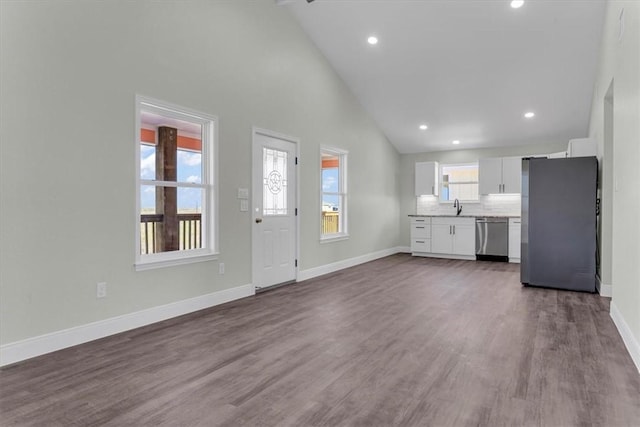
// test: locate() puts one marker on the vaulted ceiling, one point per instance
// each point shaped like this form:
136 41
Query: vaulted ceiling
468 69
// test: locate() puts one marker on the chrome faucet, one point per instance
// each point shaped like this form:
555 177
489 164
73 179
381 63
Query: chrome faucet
457 205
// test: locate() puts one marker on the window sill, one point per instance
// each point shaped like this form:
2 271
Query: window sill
162 262
334 237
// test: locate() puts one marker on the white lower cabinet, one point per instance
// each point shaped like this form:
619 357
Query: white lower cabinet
464 238
514 239
442 243
453 236
421 234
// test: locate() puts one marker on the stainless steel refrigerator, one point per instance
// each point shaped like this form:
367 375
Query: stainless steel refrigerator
559 223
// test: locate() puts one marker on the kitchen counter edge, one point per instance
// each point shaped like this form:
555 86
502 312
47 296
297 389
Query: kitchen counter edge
463 216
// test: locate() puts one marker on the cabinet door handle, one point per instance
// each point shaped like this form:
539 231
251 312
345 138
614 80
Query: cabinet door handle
419 227
419 241
454 229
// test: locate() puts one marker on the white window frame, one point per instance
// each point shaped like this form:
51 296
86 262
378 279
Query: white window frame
209 217
342 193
441 184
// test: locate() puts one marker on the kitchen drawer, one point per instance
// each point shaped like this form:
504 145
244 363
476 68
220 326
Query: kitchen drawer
420 230
421 220
420 245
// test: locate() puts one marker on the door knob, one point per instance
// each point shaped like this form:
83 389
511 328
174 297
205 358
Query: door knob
258 220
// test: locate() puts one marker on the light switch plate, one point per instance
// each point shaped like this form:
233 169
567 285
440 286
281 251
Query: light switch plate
243 193
244 205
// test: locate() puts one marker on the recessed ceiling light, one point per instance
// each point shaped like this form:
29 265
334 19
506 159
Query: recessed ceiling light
456 142
424 127
372 40
529 115
517 3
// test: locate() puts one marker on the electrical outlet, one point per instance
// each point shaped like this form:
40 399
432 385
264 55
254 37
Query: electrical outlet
221 268
101 290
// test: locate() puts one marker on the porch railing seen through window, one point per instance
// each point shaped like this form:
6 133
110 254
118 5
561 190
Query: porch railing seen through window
189 230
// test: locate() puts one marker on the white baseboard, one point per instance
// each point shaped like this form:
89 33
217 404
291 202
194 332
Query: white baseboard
346 263
36 346
445 256
404 249
627 336
603 289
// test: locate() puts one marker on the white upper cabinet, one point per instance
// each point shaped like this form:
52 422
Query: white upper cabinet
501 175
582 147
426 179
490 176
512 175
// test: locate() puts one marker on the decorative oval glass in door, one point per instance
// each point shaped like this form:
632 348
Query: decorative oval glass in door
274 178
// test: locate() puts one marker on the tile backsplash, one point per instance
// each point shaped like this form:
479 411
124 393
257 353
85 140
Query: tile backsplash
494 204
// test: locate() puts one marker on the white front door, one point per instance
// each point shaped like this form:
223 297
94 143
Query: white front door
274 208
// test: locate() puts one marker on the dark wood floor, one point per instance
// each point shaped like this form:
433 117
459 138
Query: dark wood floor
399 341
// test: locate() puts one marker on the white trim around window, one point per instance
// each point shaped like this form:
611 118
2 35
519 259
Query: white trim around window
333 199
207 248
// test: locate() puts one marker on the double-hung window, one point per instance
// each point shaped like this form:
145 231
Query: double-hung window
333 168
176 195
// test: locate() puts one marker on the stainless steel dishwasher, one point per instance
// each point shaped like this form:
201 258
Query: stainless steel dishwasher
492 239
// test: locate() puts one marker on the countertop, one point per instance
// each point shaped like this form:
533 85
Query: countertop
464 216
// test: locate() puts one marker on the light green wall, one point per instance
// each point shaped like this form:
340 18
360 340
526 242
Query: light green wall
69 74
407 171
620 64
